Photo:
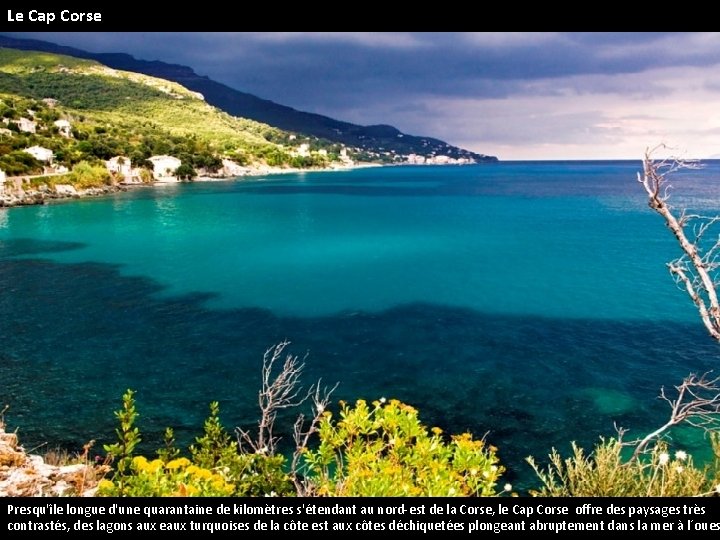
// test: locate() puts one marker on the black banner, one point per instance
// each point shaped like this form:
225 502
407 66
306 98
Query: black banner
347 515
17 16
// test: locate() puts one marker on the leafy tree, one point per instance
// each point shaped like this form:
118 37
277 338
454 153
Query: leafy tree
17 162
185 172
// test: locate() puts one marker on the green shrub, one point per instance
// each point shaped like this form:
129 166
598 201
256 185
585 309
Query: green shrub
257 475
85 176
606 473
128 438
18 162
384 450
216 468
169 451
146 176
49 181
253 474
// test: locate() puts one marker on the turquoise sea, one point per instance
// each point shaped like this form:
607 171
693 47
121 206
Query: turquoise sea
528 301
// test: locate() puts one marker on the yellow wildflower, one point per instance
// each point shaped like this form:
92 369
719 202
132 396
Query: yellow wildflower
139 463
154 466
105 485
203 474
178 463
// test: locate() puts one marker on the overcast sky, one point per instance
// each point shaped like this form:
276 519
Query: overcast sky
513 95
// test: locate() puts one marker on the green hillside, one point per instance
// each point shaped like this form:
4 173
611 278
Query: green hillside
380 142
114 112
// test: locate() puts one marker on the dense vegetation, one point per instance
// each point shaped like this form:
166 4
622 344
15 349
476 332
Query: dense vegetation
119 113
378 450
382 449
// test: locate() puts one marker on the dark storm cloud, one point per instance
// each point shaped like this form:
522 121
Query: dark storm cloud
461 86
314 71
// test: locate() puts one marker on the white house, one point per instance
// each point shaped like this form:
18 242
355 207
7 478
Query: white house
347 160
3 178
63 127
25 125
303 150
164 168
120 166
41 154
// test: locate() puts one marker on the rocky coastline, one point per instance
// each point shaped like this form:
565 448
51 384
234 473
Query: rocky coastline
28 475
26 195
43 194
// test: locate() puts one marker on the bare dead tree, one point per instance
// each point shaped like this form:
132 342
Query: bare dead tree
301 433
696 269
281 389
697 403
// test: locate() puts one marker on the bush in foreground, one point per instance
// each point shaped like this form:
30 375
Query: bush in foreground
606 473
216 466
384 450
381 450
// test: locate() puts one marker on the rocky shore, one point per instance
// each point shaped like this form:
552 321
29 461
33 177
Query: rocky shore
43 194
24 195
26 475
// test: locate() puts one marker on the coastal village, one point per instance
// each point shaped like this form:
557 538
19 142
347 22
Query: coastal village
53 182
26 189
67 130
36 189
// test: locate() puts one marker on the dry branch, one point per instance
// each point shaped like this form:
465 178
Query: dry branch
281 389
695 269
697 403
302 433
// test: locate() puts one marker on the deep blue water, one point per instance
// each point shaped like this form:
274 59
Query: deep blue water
529 301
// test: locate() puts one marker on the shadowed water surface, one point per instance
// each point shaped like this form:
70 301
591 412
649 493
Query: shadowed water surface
519 302
75 336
